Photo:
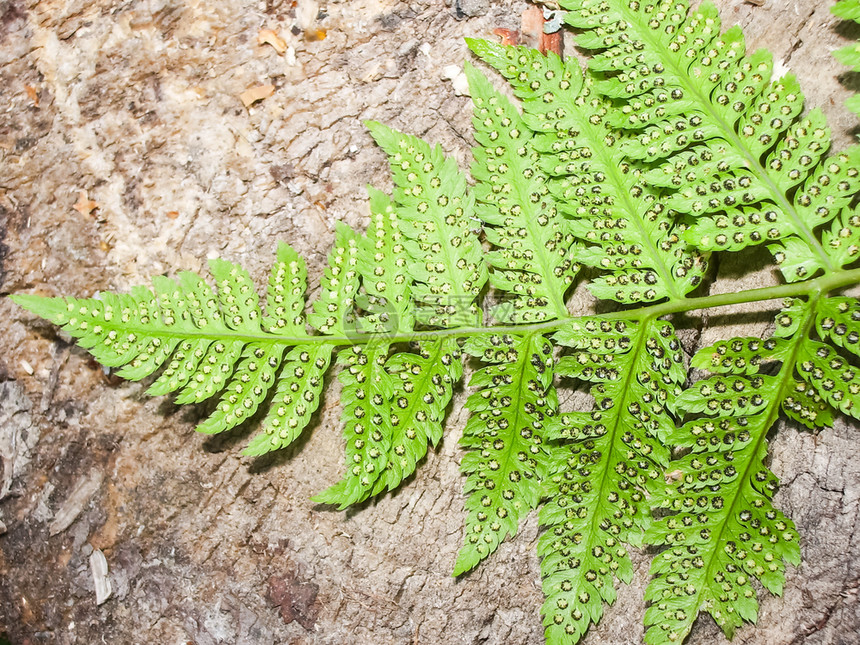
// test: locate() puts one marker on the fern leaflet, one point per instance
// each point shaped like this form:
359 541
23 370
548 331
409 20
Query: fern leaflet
722 135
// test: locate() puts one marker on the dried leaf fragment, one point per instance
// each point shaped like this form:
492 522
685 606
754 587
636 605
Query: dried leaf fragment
84 205
32 94
508 36
269 37
532 26
258 93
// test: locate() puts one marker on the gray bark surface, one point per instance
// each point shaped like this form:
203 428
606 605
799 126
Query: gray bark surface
138 104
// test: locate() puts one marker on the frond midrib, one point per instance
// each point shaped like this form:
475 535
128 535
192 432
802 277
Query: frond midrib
809 288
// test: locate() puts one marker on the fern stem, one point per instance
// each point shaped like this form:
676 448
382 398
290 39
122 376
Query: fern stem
809 288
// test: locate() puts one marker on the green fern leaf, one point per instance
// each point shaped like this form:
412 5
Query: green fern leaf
505 462
367 390
675 143
842 241
604 461
203 313
850 54
725 530
285 297
838 321
848 9
384 263
299 387
301 379
422 388
433 272
437 217
334 310
254 375
740 355
627 233
716 127
212 341
748 356
532 252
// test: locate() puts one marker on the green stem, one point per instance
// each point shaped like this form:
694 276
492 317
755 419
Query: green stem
810 288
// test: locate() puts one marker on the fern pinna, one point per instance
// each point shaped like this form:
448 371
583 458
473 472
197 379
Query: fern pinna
674 144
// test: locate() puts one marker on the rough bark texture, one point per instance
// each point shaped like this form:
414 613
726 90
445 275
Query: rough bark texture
137 104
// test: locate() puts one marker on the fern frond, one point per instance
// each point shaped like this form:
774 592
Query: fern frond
842 241
627 233
723 135
435 254
297 397
675 143
848 9
302 377
384 264
850 54
422 388
725 529
367 387
604 461
438 221
532 253
366 393
505 460
334 309
285 297
218 341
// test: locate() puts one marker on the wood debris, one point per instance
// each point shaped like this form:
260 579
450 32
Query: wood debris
101 582
532 28
76 501
269 37
85 206
258 93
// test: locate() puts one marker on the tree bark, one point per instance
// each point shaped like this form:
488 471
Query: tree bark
127 152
